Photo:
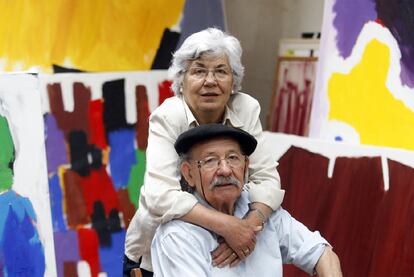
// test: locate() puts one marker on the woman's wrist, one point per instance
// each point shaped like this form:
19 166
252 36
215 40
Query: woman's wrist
255 215
208 218
258 213
253 218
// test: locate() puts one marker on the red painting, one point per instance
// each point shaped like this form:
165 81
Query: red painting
370 228
292 96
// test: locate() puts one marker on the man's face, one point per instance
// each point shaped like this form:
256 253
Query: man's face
220 185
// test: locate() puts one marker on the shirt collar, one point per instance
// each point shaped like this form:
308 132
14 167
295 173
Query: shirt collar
230 116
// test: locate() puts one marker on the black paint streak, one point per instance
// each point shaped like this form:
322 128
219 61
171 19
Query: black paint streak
100 224
79 152
114 112
167 46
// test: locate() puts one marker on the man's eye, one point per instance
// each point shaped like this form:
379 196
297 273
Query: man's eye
210 160
233 157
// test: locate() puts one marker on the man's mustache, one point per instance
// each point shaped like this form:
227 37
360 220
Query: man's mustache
224 180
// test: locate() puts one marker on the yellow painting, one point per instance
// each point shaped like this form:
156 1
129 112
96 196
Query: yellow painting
109 35
365 83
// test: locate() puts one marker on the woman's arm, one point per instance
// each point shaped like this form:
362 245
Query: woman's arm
264 180
238 234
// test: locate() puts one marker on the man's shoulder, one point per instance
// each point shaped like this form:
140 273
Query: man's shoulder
177 226
185 234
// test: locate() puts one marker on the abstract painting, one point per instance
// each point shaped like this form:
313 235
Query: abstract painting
95 124
96 136
26 236
292 96
359 197
365 86
99 36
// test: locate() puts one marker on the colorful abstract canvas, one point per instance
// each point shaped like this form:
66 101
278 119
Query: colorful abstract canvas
26 236
359 197
95 125
96 137
365 86
99 36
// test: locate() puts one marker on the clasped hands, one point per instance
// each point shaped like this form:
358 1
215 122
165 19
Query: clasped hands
237 241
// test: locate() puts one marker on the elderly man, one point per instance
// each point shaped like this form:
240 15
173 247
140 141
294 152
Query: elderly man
214 164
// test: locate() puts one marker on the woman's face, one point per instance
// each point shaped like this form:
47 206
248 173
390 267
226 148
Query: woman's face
207 86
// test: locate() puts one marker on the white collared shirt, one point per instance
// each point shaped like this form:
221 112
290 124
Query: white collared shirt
161 197
183 249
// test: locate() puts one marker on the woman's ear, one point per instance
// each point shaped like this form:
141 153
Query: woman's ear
186 171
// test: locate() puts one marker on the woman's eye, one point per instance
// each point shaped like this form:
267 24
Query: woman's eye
200 71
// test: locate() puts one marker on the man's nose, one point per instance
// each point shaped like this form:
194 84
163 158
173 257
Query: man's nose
224 168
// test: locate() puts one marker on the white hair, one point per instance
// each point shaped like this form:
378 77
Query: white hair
210 41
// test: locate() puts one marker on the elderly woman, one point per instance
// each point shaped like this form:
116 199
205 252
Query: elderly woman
207 75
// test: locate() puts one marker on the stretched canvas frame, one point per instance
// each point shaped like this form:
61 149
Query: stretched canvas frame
291 101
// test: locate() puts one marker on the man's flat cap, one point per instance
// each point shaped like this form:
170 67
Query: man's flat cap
209 131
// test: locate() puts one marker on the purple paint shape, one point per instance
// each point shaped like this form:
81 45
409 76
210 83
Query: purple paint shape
122 156
55 145
66 249
56 203
111 258
199 15
20 244
398 17
407 72
351 16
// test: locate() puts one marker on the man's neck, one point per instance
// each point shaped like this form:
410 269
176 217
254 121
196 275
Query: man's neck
225 208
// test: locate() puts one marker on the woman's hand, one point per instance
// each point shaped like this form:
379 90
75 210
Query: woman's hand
240 236
223 255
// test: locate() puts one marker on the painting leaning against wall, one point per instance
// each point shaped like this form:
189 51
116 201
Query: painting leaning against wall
292 95
365 86
359 197
97 128
26 238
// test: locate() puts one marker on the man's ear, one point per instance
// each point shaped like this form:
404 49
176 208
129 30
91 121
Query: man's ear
186 171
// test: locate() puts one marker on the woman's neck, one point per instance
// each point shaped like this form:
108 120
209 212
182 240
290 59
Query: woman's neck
209 117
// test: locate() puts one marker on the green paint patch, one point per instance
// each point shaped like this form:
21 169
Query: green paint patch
136 177
6 156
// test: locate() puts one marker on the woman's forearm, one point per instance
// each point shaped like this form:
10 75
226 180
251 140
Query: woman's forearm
207 218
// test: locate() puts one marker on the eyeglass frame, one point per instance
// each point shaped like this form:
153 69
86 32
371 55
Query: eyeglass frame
207 73
201 163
